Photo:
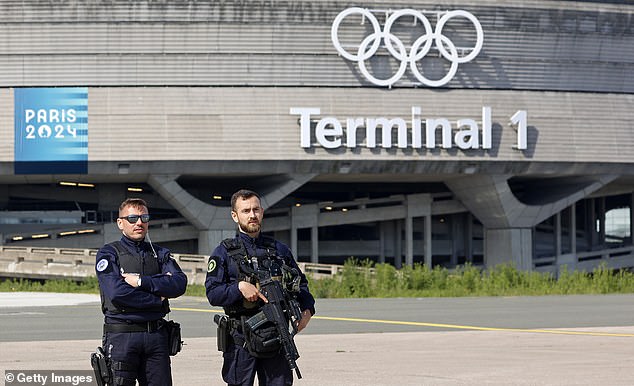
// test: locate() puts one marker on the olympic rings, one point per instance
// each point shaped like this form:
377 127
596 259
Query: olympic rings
419 49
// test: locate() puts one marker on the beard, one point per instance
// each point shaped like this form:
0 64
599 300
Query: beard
250 227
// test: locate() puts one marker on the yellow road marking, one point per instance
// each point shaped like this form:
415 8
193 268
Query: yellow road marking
477 328
196 310
452 326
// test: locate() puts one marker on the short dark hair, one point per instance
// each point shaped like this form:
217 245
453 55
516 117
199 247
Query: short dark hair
137 203
243 194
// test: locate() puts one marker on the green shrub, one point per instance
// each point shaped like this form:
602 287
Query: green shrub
89 285
362 278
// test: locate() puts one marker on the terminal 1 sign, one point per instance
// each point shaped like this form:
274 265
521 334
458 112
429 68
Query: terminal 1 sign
330 132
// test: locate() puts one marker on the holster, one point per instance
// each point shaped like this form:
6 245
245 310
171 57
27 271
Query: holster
101 365
223 332
174 337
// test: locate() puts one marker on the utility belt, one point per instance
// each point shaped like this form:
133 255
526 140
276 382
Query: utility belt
151 326
173 331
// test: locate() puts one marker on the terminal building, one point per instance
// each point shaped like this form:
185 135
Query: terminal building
409 132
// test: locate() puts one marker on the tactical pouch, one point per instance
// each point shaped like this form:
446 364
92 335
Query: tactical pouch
100 364
262 339
174 337
223 332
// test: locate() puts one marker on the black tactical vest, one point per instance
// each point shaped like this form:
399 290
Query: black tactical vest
239 255
131 263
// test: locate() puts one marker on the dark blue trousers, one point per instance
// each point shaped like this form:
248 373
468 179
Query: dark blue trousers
240 368
142 356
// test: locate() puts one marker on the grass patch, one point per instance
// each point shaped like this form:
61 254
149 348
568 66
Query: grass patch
88 286
362 279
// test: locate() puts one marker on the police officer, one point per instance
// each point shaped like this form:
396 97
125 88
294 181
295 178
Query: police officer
226 286
135 279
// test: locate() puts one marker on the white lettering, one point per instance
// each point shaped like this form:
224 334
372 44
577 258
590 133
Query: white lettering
486 127
54 116
74 380
417 138
35 378
330 133
28 115
304 123
70 115
352 124
41 116
519 122
51 116
467 139
322 132
431 125
386 132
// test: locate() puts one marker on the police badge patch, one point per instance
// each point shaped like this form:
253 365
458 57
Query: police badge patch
212 265
102 265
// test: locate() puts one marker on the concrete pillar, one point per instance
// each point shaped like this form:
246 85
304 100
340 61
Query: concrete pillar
469 237
409 241
511 245
569 260
293 236
428 247
314 244
418 205
497 208
305 216
632 219
573 229
558 234
382 243
208 240
601 218
455 237
591 227
398 248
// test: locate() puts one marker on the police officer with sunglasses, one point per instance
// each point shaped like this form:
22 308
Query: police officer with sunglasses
136 279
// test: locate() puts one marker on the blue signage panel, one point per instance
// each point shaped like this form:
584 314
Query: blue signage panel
51 130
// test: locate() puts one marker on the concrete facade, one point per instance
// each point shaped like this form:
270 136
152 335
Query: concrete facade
194 99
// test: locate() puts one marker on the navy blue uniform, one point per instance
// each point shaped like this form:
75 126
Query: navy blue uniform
240 367
134 339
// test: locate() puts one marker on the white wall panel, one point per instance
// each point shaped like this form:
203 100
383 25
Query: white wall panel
538 45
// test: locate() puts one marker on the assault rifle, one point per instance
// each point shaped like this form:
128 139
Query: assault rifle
282 309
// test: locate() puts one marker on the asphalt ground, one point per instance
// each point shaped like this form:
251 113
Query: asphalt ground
551 340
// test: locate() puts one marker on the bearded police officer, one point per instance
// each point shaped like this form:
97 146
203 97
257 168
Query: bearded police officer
135 279
228 284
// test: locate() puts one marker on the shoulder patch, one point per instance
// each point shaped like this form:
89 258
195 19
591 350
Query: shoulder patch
102 265
212 265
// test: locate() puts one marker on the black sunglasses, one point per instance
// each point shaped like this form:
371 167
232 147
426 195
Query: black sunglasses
133 218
